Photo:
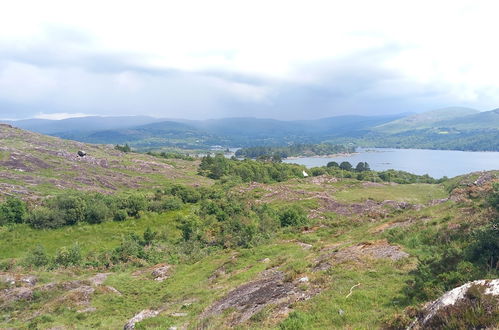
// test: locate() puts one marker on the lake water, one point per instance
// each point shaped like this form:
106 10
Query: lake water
436 163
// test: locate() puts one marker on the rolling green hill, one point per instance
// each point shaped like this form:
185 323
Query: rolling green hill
424 120
113 240
450 128
482 120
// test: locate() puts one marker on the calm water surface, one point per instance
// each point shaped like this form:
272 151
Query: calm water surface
436 163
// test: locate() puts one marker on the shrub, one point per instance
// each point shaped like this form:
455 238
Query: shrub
190 227
37 257
129 249
169 203
148 236
133 204
43 217
98 212
477 310
120 215
13 210
68 256
73 209
293 216
185 193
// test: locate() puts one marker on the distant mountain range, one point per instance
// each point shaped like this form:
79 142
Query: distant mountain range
449 128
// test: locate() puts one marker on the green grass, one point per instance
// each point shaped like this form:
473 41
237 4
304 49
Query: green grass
17 240
412 193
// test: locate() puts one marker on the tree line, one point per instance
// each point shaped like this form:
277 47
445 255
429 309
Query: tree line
294 150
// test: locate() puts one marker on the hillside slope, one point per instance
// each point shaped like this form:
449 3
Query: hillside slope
305 253
32 164
429 119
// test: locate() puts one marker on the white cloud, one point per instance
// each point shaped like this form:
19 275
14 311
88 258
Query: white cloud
70 49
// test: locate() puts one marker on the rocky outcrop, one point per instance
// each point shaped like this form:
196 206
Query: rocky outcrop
145 314
376 249
250 298
456 303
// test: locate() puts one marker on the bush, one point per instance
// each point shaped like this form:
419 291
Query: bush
133 204
73 209
185 193
13 210
149 236
293 216
129 249
190 227
68 256
120 215
37 257
43 217
98 212
169 203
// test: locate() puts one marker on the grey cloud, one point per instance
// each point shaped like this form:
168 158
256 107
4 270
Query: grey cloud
111 84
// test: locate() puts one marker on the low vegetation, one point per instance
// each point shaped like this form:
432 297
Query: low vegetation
249 244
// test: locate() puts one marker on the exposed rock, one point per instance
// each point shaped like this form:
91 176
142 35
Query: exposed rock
376 249
30 280
18 280
82 153
449 301
248 299
305 246
179 314
323 179
87 310
161 272
484 179
145 314
8 296
7 278
78 296
303 279
98 279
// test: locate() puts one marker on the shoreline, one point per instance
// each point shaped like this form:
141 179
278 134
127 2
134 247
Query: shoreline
346 154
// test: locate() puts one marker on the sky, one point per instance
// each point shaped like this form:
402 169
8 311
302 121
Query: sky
269 59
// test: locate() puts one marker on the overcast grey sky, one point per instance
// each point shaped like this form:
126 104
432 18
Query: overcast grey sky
274 59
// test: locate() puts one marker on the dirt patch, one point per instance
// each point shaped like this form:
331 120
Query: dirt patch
376 250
